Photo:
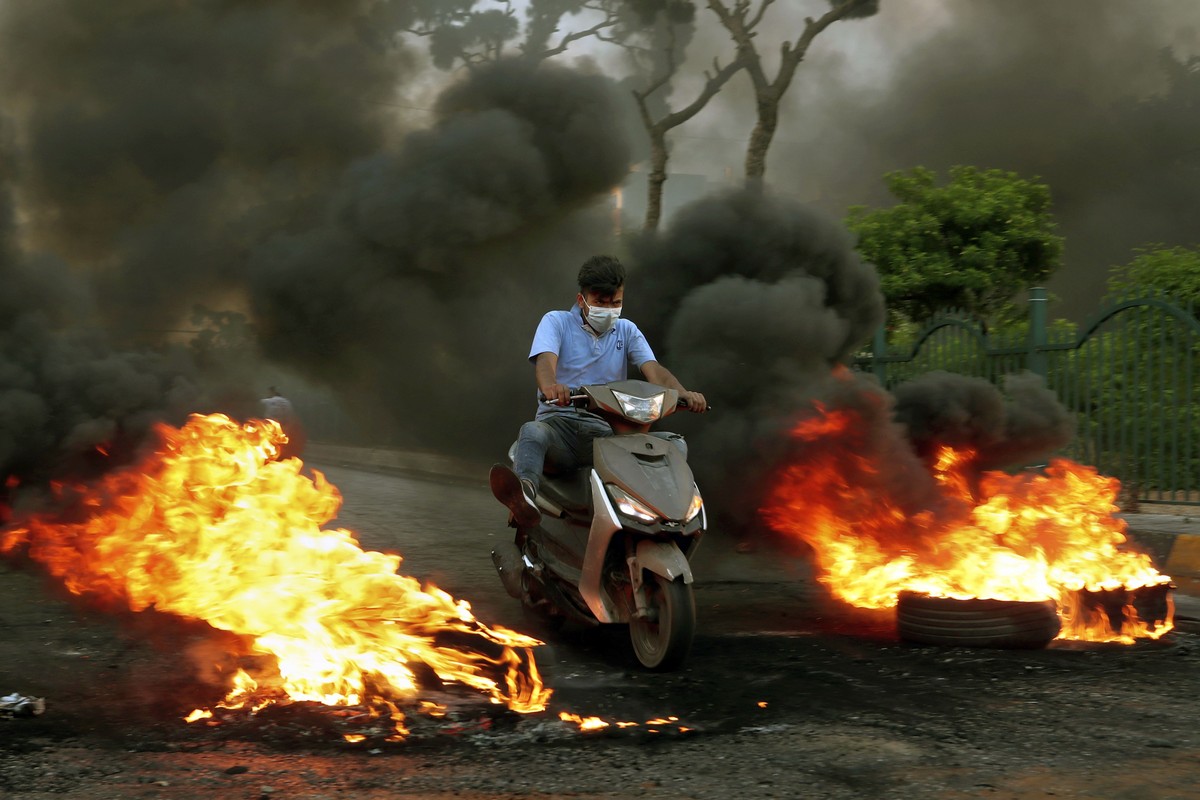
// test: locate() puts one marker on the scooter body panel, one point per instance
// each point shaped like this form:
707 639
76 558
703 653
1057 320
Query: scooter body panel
651 469
605 524
561 545
663 558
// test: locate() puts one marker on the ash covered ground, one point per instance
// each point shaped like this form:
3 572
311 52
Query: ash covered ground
786 694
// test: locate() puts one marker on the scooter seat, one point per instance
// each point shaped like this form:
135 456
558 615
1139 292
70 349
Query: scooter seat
571 491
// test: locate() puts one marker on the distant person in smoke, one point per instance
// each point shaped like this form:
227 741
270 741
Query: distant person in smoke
277 407
588 343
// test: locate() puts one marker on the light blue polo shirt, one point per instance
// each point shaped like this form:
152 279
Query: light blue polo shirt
585 358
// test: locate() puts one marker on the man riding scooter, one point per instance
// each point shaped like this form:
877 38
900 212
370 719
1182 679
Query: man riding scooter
587 344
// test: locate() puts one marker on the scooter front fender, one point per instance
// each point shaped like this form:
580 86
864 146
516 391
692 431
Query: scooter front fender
604 525
663 558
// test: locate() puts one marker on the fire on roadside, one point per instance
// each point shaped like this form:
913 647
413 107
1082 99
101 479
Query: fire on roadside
590 724
214 526
1042 535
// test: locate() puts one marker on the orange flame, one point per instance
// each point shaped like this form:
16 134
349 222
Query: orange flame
214 527
1026 536
584 723
587 724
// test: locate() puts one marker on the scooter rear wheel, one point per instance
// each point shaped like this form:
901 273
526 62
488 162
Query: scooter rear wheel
664 643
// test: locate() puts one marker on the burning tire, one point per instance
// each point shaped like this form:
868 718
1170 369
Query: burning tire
663 643
976 623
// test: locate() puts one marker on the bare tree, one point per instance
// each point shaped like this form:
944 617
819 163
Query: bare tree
742 20
657 129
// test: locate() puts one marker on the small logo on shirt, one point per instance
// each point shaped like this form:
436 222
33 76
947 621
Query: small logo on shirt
620 344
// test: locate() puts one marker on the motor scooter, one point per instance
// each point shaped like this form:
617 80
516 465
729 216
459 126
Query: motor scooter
615 539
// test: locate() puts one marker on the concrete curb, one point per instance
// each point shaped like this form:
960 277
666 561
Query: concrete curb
1172 541
1173 544
1183 565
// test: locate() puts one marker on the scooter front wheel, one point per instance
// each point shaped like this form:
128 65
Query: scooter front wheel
663 642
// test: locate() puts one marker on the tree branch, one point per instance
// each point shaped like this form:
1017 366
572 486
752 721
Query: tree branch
793 54
611 18
752 24
713 82
574 37
624 45
734 21
658 83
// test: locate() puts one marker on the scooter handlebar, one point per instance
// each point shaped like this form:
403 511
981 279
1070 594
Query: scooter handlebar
681 403
577 397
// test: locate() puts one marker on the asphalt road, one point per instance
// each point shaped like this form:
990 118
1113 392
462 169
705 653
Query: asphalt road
775 657
445 530
786 694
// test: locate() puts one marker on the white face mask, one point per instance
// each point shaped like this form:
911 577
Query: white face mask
601 319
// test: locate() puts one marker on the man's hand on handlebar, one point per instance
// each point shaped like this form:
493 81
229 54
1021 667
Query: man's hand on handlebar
694 401
557 394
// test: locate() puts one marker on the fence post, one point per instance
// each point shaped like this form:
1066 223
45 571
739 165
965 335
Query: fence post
1035 358
878 351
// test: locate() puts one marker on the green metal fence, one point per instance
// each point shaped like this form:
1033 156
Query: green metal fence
1127 373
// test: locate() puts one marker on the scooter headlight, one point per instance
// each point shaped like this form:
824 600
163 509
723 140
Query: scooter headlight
630 507
696 507
642 409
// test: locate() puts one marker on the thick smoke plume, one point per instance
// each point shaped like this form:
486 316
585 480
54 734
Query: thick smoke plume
261 158
70 404
146 149
160 141
429 258
1025 423
761 299
767 303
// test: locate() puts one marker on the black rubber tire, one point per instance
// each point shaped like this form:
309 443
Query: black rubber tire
976 623
664 645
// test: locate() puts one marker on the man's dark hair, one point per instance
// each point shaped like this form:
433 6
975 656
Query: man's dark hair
602 275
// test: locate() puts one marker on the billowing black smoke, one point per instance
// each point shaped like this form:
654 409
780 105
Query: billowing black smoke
151 147
421 288
257 156
753 299
766 304
1021 426
730 255
164 139
70 404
